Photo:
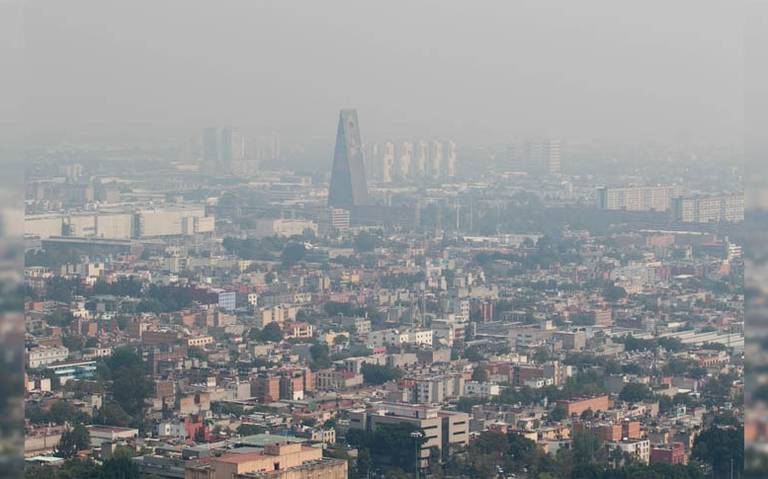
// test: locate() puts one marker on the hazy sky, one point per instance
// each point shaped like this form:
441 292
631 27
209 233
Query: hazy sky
473 70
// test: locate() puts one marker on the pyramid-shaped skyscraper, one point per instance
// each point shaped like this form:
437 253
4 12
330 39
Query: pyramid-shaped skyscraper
348 186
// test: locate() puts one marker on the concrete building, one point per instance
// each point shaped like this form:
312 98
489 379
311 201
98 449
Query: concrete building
674 454
283 227
41 356
709 209
275 461
337 380
173 221
422 160
227 300
578 406
43 226
639 449
481 389
636 198
436 161
388 163
442 428
435 389
405 161
395 337
101 434
542 156
451 160
339 219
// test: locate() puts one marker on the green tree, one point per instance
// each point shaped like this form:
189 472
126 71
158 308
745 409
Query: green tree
272 333
480 373
111 413
585 448
635 392
541 355
250 429
720 447
614 293
473 354
376 374
130 388
320 356
389 444
72 441
365 242
293 253
63 411
558 413
364 463
73 342
120 467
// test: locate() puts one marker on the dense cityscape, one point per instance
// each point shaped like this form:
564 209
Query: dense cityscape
408 308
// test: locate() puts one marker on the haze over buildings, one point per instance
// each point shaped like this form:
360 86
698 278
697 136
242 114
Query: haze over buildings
530 265
498 70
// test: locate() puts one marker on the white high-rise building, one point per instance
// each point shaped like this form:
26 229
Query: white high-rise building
239 147
388 162
543 156
422 159
436 163
452 160
406 160
372 161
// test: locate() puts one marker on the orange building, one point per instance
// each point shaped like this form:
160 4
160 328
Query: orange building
631 430
578 406
674 454
266 388
609 432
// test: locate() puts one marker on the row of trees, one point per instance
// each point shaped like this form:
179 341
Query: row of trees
721 448
392 448
120 466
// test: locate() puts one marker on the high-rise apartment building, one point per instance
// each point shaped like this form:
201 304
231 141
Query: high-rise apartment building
543 156
373 161
348 185
636 198
451 163
422 159
224 150
388 163
436 160
709 209
405 160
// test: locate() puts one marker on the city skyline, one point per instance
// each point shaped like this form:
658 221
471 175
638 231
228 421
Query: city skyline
527 250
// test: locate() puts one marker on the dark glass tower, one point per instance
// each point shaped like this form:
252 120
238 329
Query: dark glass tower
348 187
